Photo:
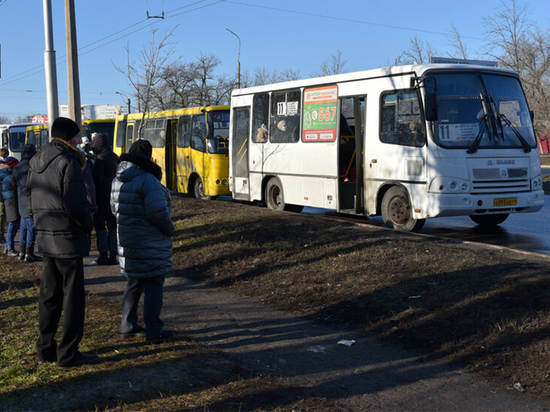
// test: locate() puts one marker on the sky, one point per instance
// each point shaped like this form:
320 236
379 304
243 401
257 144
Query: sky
277 35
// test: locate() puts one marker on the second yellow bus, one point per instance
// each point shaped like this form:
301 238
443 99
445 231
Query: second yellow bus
190 145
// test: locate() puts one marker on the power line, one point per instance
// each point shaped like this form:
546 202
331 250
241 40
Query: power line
389 26
60 60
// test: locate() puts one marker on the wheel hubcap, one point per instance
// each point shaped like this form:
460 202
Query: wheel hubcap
400 210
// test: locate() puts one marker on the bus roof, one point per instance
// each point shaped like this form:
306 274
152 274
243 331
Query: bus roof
170 113
416 69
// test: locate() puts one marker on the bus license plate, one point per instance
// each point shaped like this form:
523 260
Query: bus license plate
511 201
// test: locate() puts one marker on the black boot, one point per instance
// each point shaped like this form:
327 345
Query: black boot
22 253
112 258
30 256
102 259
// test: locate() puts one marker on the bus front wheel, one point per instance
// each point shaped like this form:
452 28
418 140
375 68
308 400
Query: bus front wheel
198 189
489 220
397 211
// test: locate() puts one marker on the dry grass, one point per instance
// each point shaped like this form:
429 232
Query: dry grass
486 309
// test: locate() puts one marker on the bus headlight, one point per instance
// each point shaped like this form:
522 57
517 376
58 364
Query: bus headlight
448 185
536 183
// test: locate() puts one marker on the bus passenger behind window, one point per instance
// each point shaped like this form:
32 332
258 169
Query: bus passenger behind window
279 132
261 134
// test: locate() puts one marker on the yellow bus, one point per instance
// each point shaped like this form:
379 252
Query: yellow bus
190 145
103 126
37 134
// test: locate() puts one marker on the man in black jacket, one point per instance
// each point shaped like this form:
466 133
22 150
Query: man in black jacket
56 199
26 228
104 171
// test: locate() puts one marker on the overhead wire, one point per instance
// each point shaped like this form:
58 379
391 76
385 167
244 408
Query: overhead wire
82 51
345 19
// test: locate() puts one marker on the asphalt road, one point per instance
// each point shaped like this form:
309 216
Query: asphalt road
523 231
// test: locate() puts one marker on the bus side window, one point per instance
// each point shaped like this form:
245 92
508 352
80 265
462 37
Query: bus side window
400 119
198 133
184 131
285 117
43 138
260 118
129 136
120 133
155 132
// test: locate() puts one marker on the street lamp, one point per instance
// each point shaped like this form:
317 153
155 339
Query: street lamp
238 60
127 102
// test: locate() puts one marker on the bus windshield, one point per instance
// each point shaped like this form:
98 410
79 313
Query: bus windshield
481 110
17 138
219 141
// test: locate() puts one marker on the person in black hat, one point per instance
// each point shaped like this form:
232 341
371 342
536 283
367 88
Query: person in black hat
103 172
26 228
142 207
56 200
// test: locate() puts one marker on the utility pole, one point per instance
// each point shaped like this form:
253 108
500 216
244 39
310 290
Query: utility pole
50 67
238 60
72 63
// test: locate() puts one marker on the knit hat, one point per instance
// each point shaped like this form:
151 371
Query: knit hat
65 129
11 161
141 148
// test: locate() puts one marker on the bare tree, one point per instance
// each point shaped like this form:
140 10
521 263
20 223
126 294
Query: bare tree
144 75
419 53
186 84
508 30
461 50
335 65
4 120
262 75
516 42
290 74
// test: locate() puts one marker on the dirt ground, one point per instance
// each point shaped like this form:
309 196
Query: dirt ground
356 372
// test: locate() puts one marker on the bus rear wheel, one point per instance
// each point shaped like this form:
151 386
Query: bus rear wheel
397 211
275 199
489 220
198 189
274 196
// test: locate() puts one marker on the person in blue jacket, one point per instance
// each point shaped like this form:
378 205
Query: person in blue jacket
142 207
9 195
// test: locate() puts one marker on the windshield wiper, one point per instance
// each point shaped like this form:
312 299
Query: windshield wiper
498 119
526 147
502 118
482 121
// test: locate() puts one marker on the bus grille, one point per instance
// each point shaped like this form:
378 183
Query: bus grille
505 180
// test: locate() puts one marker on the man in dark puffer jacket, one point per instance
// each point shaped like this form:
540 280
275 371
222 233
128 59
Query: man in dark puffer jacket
56 199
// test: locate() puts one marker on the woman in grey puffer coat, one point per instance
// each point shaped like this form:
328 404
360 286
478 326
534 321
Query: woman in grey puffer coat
142 207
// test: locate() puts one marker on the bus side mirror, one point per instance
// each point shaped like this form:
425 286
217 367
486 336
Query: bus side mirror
430 107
